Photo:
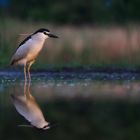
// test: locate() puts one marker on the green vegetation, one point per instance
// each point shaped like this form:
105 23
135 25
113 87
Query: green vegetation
85 46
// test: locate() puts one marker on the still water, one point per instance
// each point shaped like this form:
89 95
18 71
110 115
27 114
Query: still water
77 108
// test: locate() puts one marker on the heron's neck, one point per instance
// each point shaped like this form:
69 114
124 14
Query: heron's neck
39 37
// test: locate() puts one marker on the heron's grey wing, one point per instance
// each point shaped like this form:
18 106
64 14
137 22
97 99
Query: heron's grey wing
22 50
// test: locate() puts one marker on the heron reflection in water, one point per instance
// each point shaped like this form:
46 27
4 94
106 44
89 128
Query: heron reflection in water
27 106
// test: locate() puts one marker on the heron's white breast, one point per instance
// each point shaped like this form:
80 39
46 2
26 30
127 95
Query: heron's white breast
34 48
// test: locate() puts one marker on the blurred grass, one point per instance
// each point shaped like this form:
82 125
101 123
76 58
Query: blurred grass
86 46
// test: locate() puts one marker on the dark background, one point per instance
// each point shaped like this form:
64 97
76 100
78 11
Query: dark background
73 12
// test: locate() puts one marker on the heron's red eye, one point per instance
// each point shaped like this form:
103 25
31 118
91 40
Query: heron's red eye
45 33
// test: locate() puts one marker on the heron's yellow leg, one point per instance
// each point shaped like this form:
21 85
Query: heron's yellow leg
29 66
25 79
28 92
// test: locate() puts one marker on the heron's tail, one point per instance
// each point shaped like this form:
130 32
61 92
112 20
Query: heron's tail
12 62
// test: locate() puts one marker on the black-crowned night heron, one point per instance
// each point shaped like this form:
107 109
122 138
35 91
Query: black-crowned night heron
29 49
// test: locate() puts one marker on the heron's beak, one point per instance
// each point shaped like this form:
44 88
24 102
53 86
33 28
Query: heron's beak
53 36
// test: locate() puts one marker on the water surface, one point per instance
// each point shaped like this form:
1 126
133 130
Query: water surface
83 106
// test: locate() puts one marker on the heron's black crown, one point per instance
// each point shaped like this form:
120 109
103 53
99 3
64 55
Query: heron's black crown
41 30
